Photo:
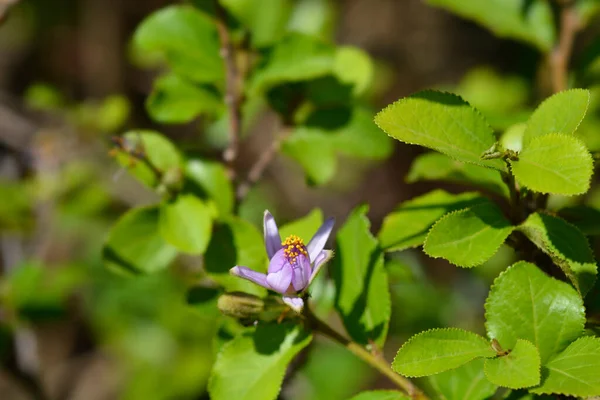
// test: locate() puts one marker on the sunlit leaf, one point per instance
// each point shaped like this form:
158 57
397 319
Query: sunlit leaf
465 382
520 368
186 223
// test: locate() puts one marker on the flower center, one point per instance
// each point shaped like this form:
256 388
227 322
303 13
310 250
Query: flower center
293 247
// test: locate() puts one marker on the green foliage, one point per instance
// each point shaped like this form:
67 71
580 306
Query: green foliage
560 113
176 100
439 167
186 38
362 296
528 21
252 365
574 371
554 163
186 223
212 179
439 350
567 247
134 244
380 395
520 368
442 122
409 224
585 218
316 148
524 303
465 382
304 227
468 237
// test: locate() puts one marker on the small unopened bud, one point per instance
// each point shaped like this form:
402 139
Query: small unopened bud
241 305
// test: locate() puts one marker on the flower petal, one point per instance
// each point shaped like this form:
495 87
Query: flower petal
322 258
295 303
272 238
280 281
251 275
319 239
302 272
277 261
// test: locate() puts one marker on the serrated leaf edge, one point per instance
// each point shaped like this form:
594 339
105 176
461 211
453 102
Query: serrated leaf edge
539 369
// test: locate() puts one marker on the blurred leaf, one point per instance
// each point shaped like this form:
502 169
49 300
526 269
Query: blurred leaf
213 179
186 223
439 350
560 113
524 303
512 138
16 212
566 245
44 97
295 58
491 92
468 237
177 100
266 20
439 167
526 20
574 371
380 395
135 245
362 296
186 38
554 163
585 218
518 369
409 224
353 65
304 227
252 366
465 382
235 242
159 151
587 9
112 113
313 17
316 148
443 122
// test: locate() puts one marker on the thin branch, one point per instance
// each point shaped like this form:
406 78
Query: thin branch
232 90
561 54
261 164
374 360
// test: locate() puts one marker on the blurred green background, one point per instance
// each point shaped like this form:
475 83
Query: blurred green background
69 81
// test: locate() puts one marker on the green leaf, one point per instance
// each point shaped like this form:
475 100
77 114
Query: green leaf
528 21
574 371
252 366
567 247
465 382
380 395
442 122
186 38
439 167
213 180
585 218
235 242
520 368
176 100
295 58
354 66
554 163
409 224
304 227
524 303
468 237
266 22
134 243
560 113
186 223
362 296
439 350
316 149
159 151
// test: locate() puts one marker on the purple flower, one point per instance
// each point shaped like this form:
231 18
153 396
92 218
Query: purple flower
292 266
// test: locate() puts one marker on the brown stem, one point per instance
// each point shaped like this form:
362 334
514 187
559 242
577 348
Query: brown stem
260 165
560 55
232 90
374 360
